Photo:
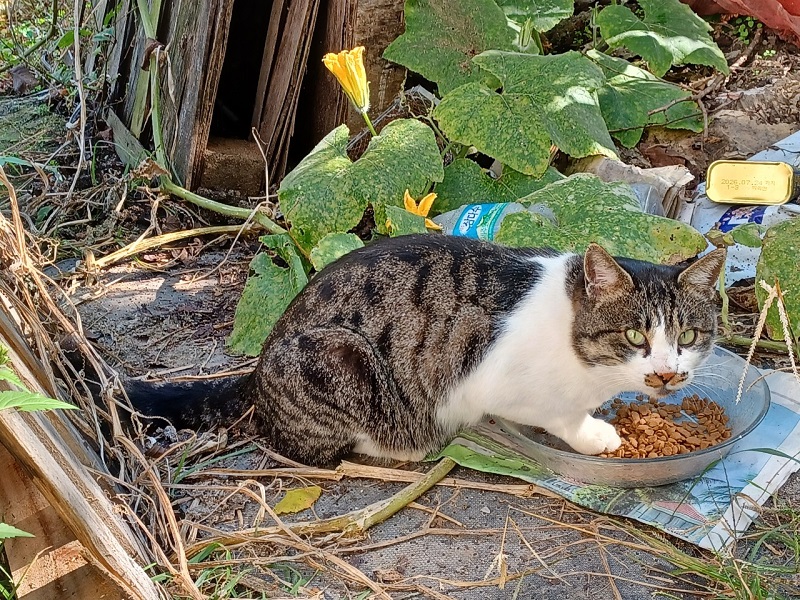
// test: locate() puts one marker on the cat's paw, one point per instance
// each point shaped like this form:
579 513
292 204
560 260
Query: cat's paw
595 436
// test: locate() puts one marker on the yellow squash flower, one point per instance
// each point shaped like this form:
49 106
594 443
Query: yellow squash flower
348 68
422 209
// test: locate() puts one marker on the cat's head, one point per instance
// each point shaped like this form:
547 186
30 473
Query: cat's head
645 327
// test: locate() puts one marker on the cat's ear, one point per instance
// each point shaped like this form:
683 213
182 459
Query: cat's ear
705 272
603 276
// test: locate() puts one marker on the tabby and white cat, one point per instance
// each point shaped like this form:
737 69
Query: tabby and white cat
397 346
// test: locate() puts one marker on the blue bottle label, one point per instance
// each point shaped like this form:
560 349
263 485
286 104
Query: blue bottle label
478 221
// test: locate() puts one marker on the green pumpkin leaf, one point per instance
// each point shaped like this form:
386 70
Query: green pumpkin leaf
583 196
395 221
465 182
670 34
630 93
545 100
590 210
266 295
9 531
298 500
780 261
328 193
332 247
530 230
283 245
543 14
748 234
314 196
442 36
29 401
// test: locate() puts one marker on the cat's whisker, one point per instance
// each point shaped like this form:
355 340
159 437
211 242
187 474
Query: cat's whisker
701 389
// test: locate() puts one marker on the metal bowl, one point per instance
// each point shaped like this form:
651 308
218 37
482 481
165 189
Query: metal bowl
718 380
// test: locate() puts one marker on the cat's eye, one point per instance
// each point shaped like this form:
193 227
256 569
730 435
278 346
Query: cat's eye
687 337
635 337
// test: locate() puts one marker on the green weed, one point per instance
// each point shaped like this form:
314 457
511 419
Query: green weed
745 28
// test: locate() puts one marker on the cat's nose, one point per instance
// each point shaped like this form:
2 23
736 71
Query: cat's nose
666 377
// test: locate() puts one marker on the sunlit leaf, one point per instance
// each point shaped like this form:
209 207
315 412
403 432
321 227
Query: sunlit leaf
780 261
298 500
630 94
29 401
465 182
669 34
590 210
395 221
545 100
267 293
332 247
328 193
543 14
442 36
9 531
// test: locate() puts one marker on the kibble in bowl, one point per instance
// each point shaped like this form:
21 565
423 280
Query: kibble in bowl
727 423
653 428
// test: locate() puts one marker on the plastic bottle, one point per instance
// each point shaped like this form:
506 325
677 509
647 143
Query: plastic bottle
482 221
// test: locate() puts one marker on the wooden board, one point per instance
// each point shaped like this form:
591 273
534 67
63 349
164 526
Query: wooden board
194 34
282 68
196 37
54 457
52 564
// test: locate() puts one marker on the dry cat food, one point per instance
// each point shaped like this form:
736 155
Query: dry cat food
650 429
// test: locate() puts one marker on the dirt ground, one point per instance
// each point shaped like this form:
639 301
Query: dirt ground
168 314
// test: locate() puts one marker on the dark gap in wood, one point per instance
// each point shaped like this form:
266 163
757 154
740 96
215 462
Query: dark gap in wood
164 21
236 94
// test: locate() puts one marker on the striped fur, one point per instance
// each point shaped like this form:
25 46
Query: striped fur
398 345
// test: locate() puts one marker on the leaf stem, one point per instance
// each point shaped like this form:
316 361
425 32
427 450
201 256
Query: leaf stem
169 187
369 123
768 345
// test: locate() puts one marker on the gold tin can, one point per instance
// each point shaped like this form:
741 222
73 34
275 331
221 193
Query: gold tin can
751 182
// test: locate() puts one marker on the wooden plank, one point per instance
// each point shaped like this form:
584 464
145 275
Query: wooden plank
220 25
274 27
77 498
196 35
51 564
50 450
123 35
128 148
289 110
285 57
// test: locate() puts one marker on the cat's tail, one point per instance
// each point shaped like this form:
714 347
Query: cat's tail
192 404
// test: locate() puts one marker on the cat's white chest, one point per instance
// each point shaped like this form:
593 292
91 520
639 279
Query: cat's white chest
531 374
